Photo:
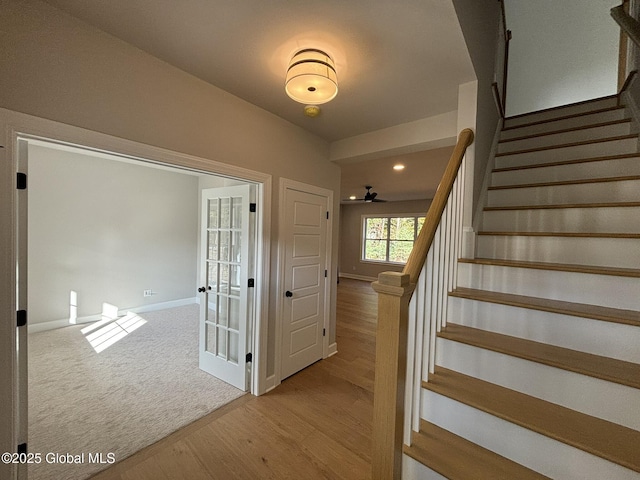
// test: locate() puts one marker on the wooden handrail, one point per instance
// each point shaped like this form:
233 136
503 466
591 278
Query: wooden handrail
505 63
630 25
423 242
394 294
496 97
627 82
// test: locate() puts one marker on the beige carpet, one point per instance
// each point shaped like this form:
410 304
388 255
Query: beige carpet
131 394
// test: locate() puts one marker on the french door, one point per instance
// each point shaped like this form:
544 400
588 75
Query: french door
225 306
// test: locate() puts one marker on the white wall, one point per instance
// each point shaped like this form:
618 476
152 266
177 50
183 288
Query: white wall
480 23
561 52
425 134
107 230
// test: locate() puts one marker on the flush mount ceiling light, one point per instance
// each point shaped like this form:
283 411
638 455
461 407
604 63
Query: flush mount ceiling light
311 77
398 167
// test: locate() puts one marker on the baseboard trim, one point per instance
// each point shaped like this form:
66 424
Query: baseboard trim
44 326
270 383
333 349
54 324
357 277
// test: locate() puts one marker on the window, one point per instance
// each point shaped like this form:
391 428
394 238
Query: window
389 239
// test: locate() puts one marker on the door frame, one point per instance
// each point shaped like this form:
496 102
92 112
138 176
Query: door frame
16 129
285 185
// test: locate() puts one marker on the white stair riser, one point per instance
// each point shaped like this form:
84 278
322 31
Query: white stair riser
581 171
589 150
614 130
603 252
542 454
571 122
597 337
599 398
599 192
605 290
586 220
561 112
414 470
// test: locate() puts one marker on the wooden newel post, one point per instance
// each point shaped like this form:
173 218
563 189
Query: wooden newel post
394 292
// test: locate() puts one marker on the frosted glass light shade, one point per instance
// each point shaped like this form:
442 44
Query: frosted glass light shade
311 77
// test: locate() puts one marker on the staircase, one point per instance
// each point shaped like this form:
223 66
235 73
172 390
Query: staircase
538 367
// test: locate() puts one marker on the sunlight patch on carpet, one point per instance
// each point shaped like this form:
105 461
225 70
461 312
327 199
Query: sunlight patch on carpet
111 331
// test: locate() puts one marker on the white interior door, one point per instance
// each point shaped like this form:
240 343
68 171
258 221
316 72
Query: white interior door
224 300
304 280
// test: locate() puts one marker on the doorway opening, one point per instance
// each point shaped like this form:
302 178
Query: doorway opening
100 226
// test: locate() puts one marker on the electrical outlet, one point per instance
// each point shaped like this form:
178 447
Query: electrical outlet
148 293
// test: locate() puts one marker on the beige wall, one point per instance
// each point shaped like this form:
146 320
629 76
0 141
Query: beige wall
480 22
351 235
561 52
107 230
57 67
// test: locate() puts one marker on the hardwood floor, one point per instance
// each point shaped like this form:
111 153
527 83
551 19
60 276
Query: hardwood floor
315 425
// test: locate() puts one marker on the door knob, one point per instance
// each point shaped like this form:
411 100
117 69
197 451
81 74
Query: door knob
288 294
201 289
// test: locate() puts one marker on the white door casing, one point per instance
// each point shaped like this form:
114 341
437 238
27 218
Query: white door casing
225 306
17 127
305 255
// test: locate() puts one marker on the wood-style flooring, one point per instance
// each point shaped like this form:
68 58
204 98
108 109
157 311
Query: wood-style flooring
315 425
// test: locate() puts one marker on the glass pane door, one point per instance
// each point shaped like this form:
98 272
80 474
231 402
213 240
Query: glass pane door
224 322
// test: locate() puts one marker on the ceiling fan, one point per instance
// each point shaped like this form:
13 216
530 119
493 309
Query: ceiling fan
368 197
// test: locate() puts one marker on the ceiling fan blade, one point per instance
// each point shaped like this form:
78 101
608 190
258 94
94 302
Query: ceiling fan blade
368 197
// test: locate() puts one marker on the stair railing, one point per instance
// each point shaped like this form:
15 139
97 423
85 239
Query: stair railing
629 56
407 323
627 23
499 87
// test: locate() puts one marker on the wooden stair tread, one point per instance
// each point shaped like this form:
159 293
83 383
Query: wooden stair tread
560 205
560 107
567 145
599 437
563 267
596 312
610 369
566 130
562 234
568 162
581 181
457 458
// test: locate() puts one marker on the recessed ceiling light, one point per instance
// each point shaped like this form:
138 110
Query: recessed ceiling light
398 167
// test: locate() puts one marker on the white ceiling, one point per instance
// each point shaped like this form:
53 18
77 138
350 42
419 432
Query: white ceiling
397 60
419 179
